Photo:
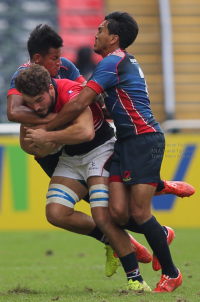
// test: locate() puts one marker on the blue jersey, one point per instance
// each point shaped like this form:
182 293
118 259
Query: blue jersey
67 71
126 96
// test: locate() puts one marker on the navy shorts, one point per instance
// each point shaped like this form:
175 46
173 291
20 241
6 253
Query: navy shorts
137 159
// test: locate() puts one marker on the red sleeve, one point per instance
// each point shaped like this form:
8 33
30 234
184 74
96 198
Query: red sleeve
96 87
13 91
80 79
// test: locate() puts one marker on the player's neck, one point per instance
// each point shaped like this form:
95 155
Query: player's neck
110 50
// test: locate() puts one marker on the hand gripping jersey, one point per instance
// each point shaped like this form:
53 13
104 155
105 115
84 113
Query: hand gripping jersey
67 90
67 71
126 94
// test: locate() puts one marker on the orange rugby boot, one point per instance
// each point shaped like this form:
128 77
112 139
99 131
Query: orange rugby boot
178 188
141 252
167 284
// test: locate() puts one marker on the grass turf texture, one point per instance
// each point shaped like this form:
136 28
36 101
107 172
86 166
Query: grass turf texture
61 266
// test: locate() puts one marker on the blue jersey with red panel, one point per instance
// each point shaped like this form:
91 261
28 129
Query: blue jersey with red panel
126 96
67 71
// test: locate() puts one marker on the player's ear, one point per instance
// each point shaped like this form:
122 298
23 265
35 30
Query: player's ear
37 58
114 39
51 89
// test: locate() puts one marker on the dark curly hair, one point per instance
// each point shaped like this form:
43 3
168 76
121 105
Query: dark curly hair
123 25
33 81
41 39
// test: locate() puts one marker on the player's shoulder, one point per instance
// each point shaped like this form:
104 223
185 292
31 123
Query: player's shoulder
25 65
116 55
68 70
66 63
113 59
21 67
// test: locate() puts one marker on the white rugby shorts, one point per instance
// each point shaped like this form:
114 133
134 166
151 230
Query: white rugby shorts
82 167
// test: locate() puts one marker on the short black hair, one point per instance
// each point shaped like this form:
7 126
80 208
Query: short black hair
33 80
41 39
123 25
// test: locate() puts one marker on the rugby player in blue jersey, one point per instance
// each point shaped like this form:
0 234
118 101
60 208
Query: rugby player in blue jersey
135 170
44 47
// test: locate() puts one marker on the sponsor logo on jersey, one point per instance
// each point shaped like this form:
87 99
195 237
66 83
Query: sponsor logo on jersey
133 61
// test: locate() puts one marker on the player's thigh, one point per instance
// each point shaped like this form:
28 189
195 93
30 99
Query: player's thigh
118 192
73 184
98 191
64 191
95 180
63 194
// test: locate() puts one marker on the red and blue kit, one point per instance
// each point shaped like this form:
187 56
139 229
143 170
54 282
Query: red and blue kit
121 80
126 94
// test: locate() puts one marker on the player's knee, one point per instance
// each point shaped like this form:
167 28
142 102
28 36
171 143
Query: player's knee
58 215
101 221
140 215
60 204
119 215
99 204
53 214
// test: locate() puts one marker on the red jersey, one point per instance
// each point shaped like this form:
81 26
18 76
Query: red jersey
66 90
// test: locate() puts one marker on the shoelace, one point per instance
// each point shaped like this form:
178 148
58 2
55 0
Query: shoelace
173 185
163 281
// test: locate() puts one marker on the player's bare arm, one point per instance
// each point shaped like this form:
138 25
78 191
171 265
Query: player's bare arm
73 109
81 130
32 149
19 113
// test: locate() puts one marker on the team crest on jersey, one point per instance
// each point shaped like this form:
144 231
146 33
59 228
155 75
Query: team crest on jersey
70 91
127 175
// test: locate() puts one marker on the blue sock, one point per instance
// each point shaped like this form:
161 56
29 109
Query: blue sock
131 267
156 237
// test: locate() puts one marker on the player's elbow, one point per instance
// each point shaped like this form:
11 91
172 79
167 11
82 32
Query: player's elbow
89 134
11 115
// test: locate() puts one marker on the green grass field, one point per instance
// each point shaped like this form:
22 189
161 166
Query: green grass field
60 266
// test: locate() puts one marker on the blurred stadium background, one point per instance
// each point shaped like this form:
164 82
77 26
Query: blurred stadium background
168 51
